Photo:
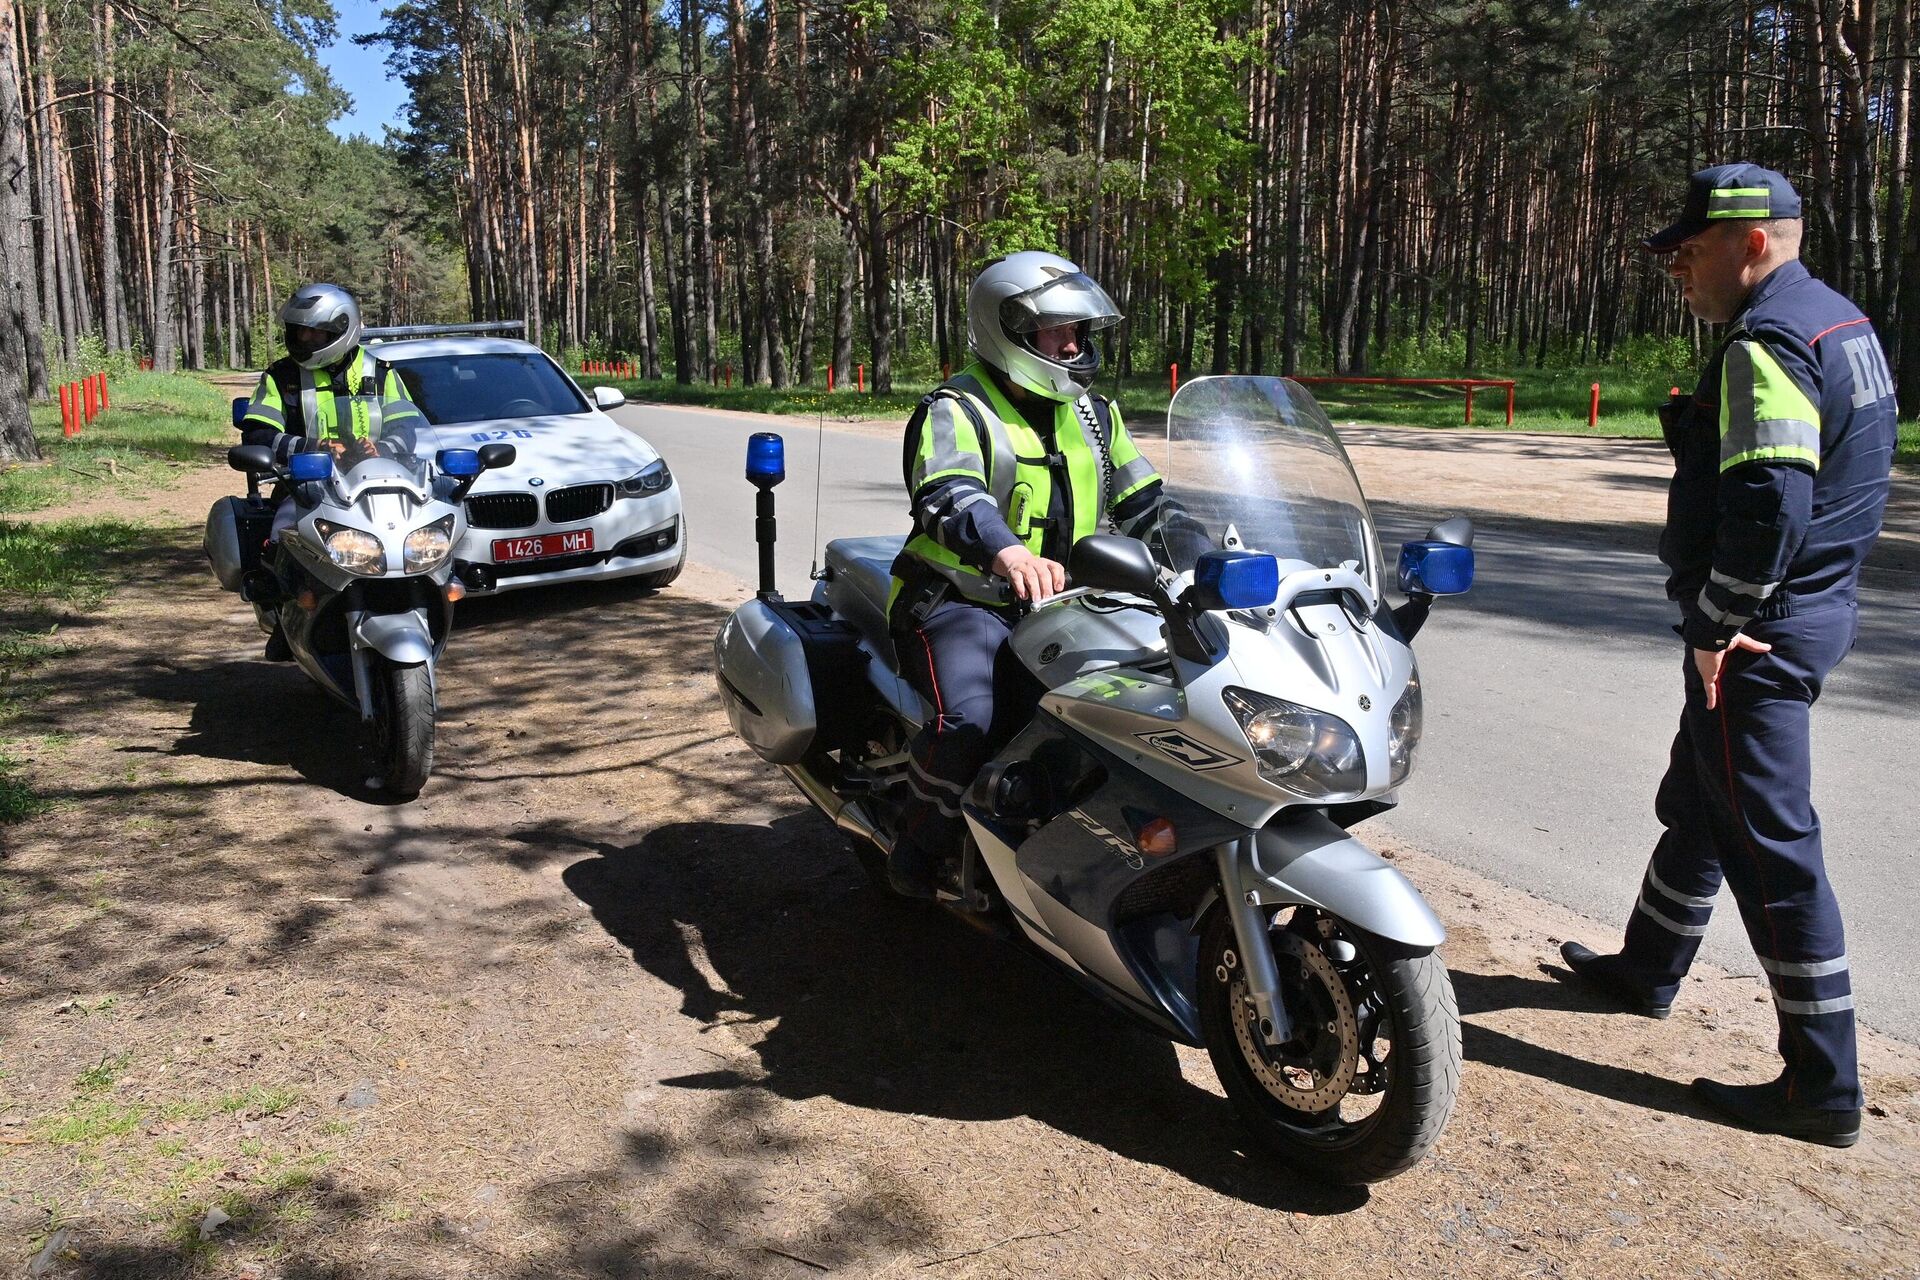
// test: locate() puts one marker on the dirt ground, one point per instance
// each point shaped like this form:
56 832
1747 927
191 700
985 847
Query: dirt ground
609 1000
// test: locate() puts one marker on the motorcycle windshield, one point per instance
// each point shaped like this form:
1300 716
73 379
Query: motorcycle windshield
1257 457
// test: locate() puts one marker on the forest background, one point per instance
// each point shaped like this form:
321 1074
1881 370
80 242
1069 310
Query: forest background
769 188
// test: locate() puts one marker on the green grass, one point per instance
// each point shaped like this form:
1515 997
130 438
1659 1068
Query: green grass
61 561
158 423
267 1102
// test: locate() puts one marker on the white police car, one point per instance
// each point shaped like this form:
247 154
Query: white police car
585 497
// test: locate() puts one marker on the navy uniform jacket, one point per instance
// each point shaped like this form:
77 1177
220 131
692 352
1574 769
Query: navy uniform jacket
1782 458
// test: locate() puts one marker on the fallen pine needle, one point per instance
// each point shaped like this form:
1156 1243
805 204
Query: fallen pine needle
794 1257
1031 1235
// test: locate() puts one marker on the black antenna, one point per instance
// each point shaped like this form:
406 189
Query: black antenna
814 573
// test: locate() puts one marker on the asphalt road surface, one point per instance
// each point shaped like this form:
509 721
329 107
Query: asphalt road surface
1552 693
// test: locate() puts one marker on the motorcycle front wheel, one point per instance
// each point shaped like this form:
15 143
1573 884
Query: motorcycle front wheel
1364 1087
403 714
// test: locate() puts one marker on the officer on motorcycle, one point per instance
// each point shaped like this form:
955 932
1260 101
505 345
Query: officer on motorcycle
1008 464
327 392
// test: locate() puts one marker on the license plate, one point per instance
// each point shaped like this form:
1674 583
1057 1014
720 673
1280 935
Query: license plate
546 544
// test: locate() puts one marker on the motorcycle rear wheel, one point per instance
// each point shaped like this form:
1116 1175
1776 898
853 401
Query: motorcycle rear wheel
403 716
1365 1087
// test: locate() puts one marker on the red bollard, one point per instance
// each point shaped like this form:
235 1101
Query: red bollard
66 410
104 403
1173 378
829 377
946 372
863 377
86 395
1593 408
1673 391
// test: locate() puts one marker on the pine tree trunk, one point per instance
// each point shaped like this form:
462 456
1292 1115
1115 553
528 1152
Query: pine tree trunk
16 425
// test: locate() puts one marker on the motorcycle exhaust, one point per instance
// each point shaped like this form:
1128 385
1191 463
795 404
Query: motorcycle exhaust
848 815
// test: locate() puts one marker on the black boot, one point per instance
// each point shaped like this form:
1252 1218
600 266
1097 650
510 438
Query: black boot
278 650
913 870
1604 974
1764 1108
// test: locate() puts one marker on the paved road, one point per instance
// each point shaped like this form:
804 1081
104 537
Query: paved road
1552 694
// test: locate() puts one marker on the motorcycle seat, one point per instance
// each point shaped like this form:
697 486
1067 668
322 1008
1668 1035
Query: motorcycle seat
860 578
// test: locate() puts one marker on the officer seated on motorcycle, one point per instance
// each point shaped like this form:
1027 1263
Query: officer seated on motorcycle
327 392
1008 464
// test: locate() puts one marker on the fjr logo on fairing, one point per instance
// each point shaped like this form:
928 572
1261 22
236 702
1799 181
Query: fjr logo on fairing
1126 852
1197 756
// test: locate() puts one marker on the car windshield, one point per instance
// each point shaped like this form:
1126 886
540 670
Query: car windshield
481 388
1258 456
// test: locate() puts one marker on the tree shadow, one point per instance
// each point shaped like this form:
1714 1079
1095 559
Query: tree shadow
885 1006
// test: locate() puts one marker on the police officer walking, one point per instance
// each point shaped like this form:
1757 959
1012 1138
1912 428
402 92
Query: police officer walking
1782 460
326 392
1008 463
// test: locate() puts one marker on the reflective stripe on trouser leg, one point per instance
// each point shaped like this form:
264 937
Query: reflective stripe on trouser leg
950 661
1676 893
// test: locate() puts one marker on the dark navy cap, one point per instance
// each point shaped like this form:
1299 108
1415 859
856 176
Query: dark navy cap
1728 191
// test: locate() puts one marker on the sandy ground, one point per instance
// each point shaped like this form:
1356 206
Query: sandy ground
609 1000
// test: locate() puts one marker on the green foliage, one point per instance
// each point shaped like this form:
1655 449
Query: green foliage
61 561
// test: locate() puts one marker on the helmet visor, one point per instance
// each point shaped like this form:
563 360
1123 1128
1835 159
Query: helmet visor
1069 299
306 339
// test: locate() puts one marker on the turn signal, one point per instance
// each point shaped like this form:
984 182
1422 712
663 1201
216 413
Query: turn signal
307 600
1157 838
456 591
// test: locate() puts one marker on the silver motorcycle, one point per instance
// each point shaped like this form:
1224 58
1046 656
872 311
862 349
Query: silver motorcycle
1171 827
363 591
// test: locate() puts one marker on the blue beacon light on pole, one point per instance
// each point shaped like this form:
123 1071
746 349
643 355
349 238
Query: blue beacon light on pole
766 467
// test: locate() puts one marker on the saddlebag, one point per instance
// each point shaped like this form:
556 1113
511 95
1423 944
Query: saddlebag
237 532
793 678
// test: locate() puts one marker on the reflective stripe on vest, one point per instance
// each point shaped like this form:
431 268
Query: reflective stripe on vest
362 401
1019 480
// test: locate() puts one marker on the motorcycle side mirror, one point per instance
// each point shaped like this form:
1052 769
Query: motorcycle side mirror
1456 532
1113 563
250 457
495 456
240 404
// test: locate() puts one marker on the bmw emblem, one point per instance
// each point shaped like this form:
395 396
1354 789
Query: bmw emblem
1366 703
536 482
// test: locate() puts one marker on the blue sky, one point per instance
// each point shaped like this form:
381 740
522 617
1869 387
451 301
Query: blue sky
362 73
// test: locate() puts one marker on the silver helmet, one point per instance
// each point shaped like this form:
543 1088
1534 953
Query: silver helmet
333 317
1020 295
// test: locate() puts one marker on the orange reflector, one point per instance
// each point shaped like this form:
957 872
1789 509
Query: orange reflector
456 591
1157 838
307 600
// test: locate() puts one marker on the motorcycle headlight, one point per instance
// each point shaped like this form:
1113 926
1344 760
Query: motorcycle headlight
1310 753
354 550
647 482
428 545
1404 730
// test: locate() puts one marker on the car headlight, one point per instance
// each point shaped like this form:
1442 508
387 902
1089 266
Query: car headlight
647 482
354 550
428 545
1310 753
1404 730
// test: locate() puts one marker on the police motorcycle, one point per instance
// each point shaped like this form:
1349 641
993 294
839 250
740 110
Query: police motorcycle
1171 827
370 549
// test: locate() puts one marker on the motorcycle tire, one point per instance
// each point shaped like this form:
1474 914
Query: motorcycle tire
1299 1100
403 716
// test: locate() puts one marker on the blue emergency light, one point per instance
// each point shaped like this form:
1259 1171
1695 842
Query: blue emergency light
1435 568
766 459
459 462
310 466
1235 580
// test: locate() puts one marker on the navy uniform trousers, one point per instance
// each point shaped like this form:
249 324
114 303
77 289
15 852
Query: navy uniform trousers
960 662
1736 804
